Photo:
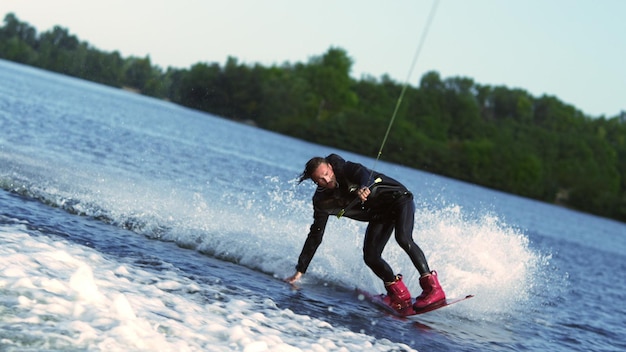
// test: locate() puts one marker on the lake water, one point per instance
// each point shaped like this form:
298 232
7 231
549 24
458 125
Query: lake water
133 224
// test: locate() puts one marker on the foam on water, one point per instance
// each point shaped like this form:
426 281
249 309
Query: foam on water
59 295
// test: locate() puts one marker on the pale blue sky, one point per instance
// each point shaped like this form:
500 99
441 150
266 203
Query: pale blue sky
572 49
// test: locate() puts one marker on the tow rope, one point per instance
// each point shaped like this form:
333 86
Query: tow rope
429 21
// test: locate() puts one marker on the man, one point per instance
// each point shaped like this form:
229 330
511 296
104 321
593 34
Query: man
382 202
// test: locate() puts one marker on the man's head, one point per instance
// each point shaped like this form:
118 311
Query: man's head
320 171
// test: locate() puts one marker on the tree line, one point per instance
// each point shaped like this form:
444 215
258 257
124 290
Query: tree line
494 136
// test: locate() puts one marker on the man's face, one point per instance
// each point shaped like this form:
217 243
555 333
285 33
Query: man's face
324 176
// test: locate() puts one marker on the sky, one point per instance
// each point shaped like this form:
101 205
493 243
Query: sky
572 49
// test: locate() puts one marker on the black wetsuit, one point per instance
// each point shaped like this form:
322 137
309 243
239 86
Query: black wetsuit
389 206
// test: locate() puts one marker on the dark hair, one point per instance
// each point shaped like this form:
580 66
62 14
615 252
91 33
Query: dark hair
310 167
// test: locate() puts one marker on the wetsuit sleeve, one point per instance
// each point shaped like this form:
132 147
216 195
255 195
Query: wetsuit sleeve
313 241
357 173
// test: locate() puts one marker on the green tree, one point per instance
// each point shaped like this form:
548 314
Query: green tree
289 106
463 108
18 41
329 79
22 31
138 72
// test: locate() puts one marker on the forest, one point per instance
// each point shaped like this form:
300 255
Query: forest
494 136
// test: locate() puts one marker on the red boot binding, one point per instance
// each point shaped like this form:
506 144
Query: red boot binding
398 296
432 292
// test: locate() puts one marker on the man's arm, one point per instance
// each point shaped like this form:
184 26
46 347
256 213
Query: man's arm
358 173
313 241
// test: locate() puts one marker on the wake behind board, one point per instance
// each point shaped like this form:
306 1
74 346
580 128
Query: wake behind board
378 301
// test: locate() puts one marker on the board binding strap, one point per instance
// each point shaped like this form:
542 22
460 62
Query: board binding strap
378 300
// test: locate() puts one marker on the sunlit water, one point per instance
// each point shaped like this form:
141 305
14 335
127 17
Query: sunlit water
128 223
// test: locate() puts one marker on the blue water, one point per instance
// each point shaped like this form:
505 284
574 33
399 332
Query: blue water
128 223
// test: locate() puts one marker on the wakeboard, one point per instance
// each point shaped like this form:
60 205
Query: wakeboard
377 299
